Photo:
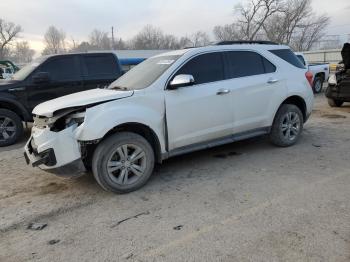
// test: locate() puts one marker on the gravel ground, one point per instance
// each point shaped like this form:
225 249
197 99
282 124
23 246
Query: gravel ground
247 201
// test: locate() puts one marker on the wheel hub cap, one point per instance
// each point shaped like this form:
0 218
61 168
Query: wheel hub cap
127 164
7 128
290 126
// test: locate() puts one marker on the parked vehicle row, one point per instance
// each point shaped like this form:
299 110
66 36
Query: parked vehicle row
319 71
172 104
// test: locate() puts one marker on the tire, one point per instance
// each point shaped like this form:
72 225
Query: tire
318 84
115 171
287 126
334 102
11 127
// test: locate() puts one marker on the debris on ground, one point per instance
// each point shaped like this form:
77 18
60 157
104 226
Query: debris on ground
178 227
132 217
53 241
36 226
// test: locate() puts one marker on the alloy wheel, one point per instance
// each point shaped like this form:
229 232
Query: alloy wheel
290 126
7 128
127 164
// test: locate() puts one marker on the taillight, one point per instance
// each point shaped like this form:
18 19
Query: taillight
309 76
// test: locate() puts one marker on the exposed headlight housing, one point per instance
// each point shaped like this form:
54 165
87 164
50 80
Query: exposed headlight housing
75 119
332 80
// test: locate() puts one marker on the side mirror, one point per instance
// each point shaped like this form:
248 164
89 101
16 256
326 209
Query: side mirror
181 81
41 78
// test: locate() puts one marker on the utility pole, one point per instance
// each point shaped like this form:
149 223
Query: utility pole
113 38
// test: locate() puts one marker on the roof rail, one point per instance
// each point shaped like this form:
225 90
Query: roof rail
241 42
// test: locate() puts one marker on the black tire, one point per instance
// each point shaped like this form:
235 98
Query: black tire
107 150
13 128
318 84
281 126
334 102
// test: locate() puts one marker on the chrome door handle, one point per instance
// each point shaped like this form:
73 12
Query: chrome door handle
272 81
223 92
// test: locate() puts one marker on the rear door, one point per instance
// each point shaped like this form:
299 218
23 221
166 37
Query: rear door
203 111
65 78
99 70
256 87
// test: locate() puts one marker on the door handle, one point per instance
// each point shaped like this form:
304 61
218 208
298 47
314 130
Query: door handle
223 92
272 81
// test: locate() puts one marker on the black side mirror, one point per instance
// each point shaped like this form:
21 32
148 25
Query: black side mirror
41 78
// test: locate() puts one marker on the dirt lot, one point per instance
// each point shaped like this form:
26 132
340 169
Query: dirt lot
247 201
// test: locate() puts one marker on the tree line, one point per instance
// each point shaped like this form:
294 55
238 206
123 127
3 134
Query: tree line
290 22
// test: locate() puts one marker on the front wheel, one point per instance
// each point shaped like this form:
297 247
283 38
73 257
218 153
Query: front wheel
287 126
123 162
334 102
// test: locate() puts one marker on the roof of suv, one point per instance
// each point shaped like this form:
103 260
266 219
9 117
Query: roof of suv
236 46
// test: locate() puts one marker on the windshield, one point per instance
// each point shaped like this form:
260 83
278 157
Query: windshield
28 69
144 74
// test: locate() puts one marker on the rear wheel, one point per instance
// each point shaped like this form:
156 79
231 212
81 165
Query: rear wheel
11 127
123 162
287 126
318 84
334 102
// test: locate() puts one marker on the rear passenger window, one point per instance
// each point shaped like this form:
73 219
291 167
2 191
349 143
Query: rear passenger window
204 68
289 56
62 69
246 63
101 66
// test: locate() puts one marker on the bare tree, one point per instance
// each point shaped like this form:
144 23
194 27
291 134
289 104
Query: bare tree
8 33
54 40
148 38
100 40
22 53
296 24
185 42
253 15
229 32
310 32
199 38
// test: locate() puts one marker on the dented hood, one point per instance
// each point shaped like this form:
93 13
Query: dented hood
86 98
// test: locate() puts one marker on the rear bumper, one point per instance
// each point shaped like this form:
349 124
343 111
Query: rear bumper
55 152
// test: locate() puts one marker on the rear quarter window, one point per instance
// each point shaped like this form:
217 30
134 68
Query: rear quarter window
288 56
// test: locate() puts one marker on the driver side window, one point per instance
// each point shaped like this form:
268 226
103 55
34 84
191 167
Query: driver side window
204 68
61 69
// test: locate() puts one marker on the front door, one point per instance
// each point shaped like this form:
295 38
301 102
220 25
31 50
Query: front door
203 111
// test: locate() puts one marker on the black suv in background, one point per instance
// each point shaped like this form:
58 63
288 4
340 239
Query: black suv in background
47 78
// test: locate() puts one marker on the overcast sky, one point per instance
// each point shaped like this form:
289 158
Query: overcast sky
180 17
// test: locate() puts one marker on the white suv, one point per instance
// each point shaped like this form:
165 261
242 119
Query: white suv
172 104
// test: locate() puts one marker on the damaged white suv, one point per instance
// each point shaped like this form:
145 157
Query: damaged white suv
172 104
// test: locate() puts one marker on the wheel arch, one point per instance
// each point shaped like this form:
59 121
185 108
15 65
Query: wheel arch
297 101
141 129
16 108
321 74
